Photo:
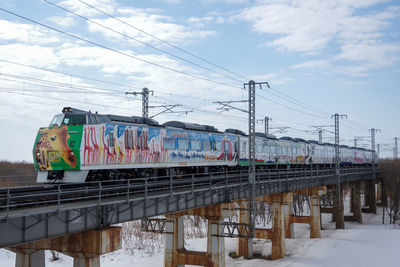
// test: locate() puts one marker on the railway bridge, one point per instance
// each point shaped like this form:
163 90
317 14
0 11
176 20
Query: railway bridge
78 219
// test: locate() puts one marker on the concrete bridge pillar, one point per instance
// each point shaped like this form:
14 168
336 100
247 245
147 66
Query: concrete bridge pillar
174 240
216 243
288 212
175 253
315 222
277 233
370 197
28 257
355 203
245 245
85 248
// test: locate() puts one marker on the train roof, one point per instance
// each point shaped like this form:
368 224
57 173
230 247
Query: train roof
288 138
328 144
300 140
108 118
264 135
235 131
313 142
190 126
133 119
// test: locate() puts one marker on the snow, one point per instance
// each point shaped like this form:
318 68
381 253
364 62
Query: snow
369 244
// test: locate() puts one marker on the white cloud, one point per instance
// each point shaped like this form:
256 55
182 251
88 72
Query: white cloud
25 33
84 10
309 27
62 21
29 54
155 24
311 64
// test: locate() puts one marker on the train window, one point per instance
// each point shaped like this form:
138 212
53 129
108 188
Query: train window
183 144
265 148
217 146
244 147
195 144
57 120
111 139
258 148
235 146
169 143
74 119
206 145
129 139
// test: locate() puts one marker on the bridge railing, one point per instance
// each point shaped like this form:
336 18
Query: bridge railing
12 200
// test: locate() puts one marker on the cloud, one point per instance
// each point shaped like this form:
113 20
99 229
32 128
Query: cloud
311 27
25 33
311 64
150 22
84 10
62 21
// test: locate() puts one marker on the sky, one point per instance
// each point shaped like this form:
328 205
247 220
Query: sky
319 58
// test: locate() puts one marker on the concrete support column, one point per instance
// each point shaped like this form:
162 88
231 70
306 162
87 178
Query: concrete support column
315 223
215 243
288 211
86 261
356 192
339 214
370 197
278 231
85 248
245 245
174 240
28 257
379 192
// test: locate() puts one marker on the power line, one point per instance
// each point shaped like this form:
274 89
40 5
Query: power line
288 107
295 101
64 73
144 43
159 39
116 51
62 99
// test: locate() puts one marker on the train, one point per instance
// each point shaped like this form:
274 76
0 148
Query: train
81 146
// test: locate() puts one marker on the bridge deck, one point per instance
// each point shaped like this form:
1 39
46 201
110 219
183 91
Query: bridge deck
34 213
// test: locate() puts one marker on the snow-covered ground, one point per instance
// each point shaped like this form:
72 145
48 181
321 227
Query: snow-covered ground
368 244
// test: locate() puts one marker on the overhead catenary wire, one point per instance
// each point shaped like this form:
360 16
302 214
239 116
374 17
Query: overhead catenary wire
163 41
117 51
141 42
63 99
67 74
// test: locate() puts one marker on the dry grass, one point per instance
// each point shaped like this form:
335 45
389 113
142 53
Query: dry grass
16 173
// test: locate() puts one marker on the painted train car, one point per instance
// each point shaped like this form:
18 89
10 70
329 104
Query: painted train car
80 146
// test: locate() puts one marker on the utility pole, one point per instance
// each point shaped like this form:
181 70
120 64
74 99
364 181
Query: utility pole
396 149
145 100
266 124
339 200
252 155
320 129
377 151
372 201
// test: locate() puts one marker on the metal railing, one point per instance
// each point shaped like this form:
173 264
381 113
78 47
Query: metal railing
14 199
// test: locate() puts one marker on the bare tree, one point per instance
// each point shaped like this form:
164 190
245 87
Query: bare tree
390 173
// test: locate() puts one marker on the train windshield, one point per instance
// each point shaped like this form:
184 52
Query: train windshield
74 120
57 120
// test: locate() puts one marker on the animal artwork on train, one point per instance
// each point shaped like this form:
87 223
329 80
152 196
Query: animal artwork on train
78 144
